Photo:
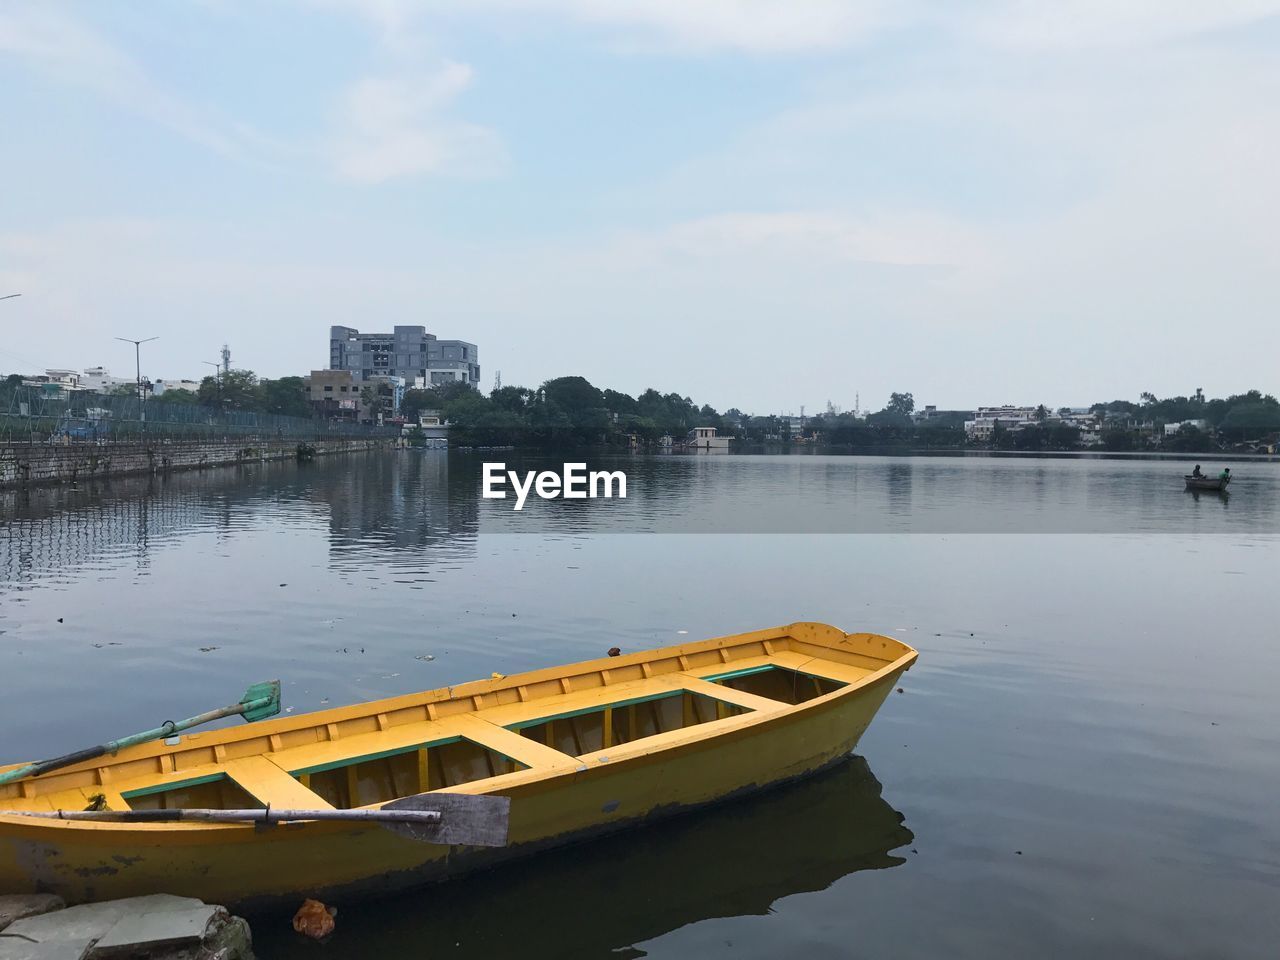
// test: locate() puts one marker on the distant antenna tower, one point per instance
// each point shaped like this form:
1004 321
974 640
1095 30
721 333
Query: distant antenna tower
226 359
857 405
497 380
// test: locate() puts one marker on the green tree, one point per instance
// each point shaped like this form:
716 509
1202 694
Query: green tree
1117 439
178 396
581 404
1251 420
286 396
616 402
415 401
453 390
513 399
1188 439
233 390
369 405
903 403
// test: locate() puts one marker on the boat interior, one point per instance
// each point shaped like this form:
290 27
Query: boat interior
479 736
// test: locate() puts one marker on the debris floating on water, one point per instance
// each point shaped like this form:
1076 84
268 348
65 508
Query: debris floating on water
314 919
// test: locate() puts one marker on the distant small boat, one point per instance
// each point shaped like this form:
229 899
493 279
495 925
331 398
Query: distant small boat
1206 483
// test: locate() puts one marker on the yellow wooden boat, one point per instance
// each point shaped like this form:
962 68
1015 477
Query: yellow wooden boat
579 750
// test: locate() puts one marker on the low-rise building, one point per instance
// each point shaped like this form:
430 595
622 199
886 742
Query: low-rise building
931 412
987 419
160 387
390 390
704 440
1173 429
100 380
432 424
334 394
790 423
54 383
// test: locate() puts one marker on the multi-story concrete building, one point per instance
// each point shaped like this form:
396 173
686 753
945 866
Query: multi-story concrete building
985 420
408 351
334 394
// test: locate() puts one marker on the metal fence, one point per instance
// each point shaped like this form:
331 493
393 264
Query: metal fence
33 414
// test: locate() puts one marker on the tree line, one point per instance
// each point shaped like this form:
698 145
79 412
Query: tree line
571 411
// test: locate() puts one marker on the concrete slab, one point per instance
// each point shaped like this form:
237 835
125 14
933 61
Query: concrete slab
19 906
92 921
16 948
157 931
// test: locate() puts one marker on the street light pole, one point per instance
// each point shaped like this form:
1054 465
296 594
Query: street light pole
217 379
137 360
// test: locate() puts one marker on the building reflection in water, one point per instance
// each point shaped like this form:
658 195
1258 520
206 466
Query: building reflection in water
599 899
377 510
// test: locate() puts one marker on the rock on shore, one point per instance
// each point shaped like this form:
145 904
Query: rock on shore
159 927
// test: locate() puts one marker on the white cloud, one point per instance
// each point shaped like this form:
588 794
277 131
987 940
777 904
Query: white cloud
387 125
64 48
1107 23
393 125
751 26
771 27
904 240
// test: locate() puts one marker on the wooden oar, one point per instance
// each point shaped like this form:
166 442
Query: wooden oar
260 701
444 818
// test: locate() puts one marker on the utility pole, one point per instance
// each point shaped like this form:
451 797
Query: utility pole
217 378
137 361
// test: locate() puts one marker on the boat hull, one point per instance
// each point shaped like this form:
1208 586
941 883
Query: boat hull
1206 483
253 868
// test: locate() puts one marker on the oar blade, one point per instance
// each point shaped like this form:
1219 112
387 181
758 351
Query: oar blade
465 819
268 690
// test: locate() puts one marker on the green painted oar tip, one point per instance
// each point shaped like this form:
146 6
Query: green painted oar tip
265 698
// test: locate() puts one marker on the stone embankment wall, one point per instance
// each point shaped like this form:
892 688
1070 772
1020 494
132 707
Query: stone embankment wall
28 464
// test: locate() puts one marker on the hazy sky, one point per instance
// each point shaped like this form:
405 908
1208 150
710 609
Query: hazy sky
758 204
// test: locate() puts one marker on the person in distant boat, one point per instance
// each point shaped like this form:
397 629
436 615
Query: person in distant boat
1196 472
1225 474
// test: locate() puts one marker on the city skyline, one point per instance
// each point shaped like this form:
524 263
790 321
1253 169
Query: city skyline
756 205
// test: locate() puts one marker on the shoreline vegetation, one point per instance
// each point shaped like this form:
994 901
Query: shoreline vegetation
571 412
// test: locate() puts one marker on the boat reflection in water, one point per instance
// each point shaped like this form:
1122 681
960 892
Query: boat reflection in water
597 899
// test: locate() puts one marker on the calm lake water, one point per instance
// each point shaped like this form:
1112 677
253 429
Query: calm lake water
1085 760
